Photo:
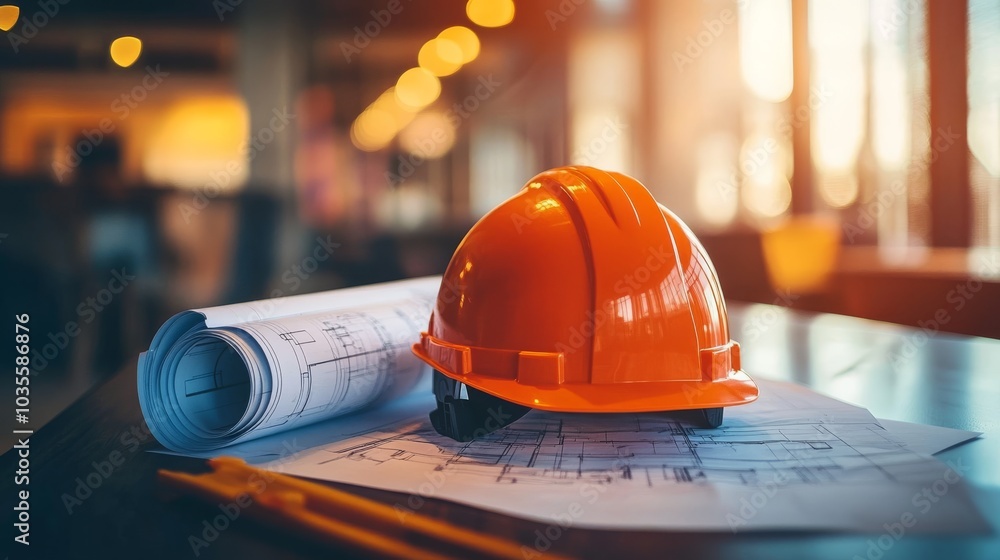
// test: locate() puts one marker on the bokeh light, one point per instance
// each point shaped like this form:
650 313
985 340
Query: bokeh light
8 17
490 13
838 189
373 129
199 140
766 48
466 40
838 37
441 57
401 114
417 88
767 200
125 51
717 184
430 135
379 123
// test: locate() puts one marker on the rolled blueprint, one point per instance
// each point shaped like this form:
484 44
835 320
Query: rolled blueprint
223 375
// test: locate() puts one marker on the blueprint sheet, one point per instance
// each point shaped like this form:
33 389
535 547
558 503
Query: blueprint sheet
792 460
222 375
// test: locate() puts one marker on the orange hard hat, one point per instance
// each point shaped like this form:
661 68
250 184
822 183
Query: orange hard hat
579 294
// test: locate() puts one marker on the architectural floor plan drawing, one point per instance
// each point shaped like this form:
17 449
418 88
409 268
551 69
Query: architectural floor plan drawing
214 377
342 361
645 449
793 459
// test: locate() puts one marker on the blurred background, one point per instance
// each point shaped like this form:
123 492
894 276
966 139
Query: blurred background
832 155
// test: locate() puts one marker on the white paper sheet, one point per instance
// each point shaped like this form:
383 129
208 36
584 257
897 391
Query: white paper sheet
792 460
217 376
925 439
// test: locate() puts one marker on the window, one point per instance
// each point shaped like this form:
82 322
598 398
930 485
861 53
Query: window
861 73
984 121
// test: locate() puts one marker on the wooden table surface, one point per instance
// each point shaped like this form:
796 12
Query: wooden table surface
898 373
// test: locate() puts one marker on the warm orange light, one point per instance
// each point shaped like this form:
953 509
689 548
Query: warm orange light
717 183
401 114
767 200
766 191
373 129
379 123
801 253
8 17
199 141
441 57
490 13
838 187
766 48
417 88
466 40
839 43
359 140
430 135
125 51
891 111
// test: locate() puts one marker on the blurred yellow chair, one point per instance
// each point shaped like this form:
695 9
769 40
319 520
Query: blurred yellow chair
801 253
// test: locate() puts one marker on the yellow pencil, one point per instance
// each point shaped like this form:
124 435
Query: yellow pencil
336 517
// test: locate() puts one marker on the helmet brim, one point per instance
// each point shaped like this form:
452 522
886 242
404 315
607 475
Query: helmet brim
735 389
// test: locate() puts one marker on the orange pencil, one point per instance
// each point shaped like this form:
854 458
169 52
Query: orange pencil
336 517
